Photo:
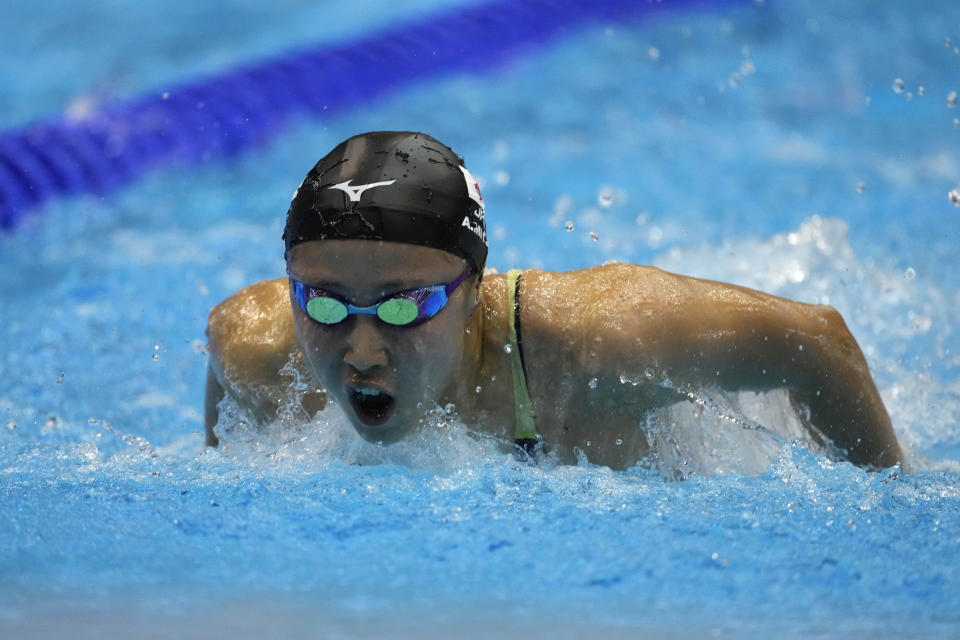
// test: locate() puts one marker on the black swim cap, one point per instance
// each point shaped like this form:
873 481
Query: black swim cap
396 186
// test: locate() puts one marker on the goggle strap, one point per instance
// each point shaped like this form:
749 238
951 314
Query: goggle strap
456 283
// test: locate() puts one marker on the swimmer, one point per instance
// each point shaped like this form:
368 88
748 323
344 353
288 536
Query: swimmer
388 312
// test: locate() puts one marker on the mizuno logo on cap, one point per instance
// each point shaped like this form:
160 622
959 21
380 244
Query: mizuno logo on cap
357 191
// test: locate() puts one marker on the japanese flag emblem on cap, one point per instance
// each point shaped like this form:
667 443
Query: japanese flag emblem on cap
473 190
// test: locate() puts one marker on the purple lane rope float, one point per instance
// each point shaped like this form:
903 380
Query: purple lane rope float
225 114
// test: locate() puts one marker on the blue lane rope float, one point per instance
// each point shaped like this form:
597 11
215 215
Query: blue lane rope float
225 114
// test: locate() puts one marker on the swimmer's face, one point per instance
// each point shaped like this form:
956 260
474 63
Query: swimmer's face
385 377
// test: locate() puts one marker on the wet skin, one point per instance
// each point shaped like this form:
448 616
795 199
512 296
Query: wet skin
583 331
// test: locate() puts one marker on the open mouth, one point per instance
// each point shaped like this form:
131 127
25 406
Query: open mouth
372 405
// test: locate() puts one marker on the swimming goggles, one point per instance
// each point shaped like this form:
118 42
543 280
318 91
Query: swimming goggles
401 309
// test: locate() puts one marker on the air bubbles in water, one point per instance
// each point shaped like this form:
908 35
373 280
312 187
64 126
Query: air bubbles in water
952 99
861 186
954 196
898 85
507 348
593 383
653 53
910 273
568 225
594 236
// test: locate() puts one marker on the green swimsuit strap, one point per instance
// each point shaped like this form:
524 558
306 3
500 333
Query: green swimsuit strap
526 434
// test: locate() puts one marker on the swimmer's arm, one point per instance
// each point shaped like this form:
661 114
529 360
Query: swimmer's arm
251 338
709 333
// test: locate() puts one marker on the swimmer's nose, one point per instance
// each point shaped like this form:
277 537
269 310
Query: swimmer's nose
365 347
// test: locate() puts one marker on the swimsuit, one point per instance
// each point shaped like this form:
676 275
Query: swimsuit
525 436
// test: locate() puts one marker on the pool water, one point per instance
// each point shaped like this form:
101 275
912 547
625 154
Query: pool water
786 146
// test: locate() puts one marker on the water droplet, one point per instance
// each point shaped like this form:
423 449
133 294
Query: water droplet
11 425
593 383
156 356
60 378
954 197
624 379
594 236
861 186
568 225
648 373
910 273
619 441
653 53
898 85
921 90
165 95
507 348
952 99
605 197
478 389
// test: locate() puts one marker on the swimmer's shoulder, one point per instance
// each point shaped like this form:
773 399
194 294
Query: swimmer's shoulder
587 295
251 333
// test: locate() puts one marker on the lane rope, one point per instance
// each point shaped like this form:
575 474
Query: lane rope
225 114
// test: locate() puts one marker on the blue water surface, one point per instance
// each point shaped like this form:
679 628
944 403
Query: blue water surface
764 143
